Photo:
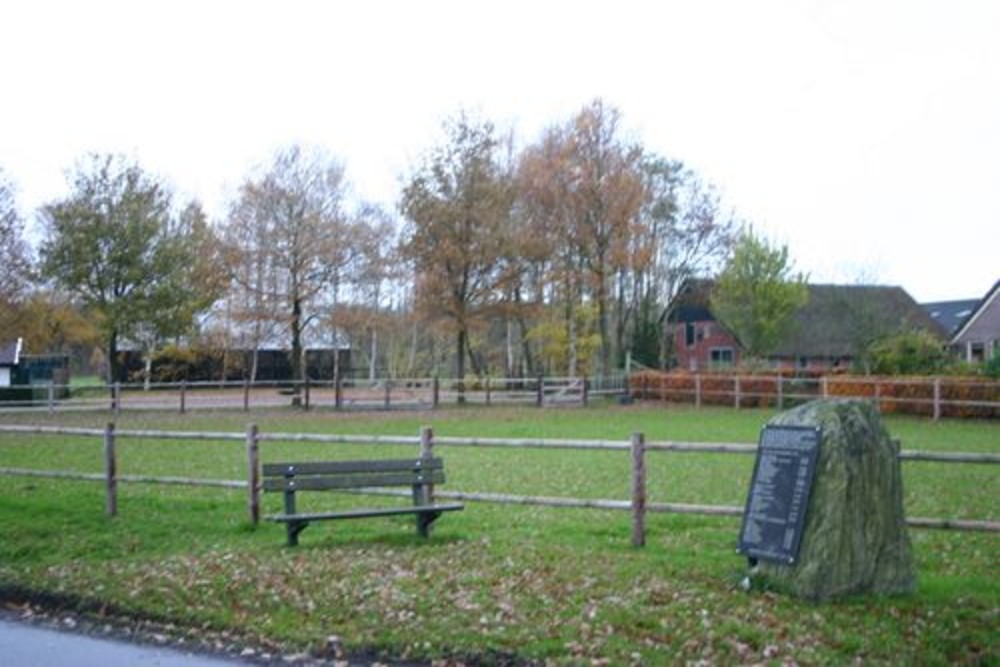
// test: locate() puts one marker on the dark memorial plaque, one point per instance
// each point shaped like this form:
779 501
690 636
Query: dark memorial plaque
779 493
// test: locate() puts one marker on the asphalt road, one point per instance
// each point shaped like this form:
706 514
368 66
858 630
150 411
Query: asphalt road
27 645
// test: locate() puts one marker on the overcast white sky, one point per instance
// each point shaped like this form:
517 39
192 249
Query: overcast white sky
865 134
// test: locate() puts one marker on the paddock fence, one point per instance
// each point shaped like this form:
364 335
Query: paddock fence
338 394
637 448
934 397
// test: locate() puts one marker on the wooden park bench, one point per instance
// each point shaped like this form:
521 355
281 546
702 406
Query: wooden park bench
418 473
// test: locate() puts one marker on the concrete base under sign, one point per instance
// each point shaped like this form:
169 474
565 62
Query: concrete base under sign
855 539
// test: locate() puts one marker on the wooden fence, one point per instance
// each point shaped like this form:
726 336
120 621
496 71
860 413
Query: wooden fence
934 397
637 447
380 394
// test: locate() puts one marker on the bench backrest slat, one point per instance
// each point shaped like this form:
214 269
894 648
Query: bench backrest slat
353 481
348 467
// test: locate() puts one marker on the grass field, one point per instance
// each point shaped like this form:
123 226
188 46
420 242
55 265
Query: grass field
495 582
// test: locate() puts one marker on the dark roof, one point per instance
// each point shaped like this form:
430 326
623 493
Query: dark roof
839 319
950 314
836 320
690 304
10 352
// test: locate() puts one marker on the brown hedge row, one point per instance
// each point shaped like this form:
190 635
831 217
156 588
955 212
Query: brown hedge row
903 395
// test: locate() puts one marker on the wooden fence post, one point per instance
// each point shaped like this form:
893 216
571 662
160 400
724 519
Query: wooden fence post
436 395
488 390
52 397
736 391
110 470
253 474
825 389
427 452
937 399
183 395
638 490
388 393
697 390
246 395
540 398
116 398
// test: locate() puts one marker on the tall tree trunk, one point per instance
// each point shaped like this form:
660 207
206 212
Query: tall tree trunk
622 313
373 351
571 360
253 363
602 322
114 364
509 360
296 353
148 371
460 341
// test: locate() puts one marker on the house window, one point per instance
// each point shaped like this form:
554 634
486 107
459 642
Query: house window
721 357
689 330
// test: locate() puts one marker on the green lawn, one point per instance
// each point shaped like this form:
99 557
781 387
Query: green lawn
493 581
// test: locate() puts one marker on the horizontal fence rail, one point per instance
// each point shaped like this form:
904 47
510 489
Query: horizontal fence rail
335 394
638 447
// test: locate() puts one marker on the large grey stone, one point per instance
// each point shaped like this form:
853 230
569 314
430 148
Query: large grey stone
854 539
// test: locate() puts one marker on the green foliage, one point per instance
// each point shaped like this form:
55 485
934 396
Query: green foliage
910 353
15 253
991 368
114 244
645 344
756 294
553 337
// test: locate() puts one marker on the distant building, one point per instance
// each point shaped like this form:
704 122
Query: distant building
17 369
950 314
825 334
10 358
977 337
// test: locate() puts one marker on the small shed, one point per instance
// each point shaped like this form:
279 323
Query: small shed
10 359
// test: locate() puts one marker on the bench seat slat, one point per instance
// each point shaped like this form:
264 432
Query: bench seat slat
363 513
346 467
353 481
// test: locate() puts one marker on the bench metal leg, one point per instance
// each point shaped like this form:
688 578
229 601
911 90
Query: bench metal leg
294 528
424 521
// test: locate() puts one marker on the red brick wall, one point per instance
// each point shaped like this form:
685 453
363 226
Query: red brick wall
708 335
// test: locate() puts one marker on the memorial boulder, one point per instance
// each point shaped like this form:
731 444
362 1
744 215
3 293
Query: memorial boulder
854 538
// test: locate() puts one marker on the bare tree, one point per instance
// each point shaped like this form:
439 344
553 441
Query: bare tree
288 237
457 206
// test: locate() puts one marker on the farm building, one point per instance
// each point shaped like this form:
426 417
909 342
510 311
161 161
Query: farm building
977 337
826 333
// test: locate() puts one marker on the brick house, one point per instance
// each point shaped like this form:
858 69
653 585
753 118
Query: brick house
836 321
978 336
